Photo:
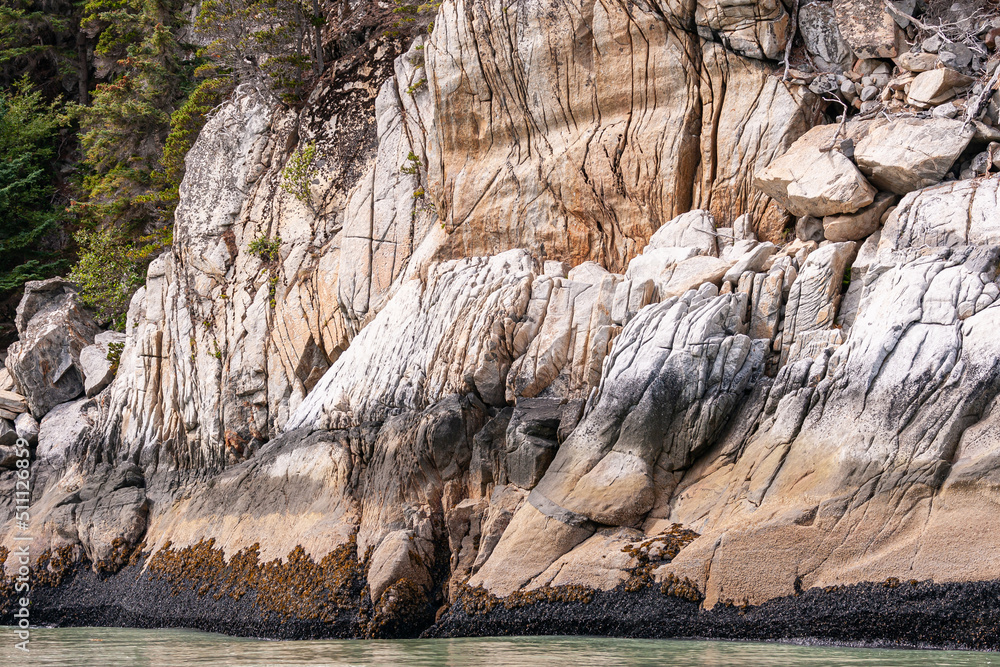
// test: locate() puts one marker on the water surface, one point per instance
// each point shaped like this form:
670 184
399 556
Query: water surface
116 647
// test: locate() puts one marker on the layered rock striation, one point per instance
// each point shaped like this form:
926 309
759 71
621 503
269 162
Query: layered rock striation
584 305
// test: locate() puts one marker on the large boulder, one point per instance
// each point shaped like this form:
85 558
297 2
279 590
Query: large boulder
811 179
53 328
63 428
911 153
868 28
858 226
822 38
98 361
936 86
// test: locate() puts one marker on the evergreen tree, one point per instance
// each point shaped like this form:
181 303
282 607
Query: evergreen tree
29 207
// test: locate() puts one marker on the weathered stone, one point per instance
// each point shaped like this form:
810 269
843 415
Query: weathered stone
953 214
695 229
808 228
868 28
12 402
909 153
811 180
531 440
6 381
818 27
767 302
53 328
917 62
63 429
400 555
935 86
630 297
98 369
860 225
757 30
692 273
752 260
27 427
815 294
566 351
8 435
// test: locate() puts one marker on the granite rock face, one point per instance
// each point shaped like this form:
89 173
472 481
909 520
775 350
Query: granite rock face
569 281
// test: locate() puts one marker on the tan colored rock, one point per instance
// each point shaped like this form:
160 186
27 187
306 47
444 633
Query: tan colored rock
756 29
13 402
565 355
917 62
6 381
936 86
400 555
605 192
809 181
858 226
693 273
868 28
815 294
749 118
911 153
599 562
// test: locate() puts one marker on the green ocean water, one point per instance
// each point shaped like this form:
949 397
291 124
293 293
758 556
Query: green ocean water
114 647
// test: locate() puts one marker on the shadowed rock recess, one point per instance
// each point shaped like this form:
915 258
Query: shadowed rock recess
594 320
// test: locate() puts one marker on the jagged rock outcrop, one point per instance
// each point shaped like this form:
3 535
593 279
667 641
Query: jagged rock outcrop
53 328
572 285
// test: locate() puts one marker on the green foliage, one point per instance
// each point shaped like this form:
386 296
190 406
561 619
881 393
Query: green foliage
416 86
266 248
274 45
112 266
41 39
299 172
412 166
124 130
28 131
115 355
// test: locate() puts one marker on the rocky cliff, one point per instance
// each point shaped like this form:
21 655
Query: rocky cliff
591 318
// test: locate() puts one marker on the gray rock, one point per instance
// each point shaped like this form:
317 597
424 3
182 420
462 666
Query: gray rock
818 27
8 457
52 330
27 427
531 440
910 153
808 228
956 55
63 429
932 44
8 435
98 369
113 520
